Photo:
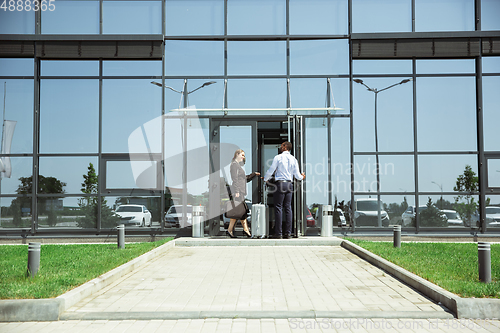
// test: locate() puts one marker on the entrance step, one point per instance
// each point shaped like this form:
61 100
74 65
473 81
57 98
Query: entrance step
222 241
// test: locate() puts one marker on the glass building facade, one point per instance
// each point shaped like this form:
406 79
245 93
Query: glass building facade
389 104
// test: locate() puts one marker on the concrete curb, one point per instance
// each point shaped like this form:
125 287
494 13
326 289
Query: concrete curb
310 314
474 308
51 309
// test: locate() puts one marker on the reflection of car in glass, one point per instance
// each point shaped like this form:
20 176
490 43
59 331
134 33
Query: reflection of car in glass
135 215
341 220
493 216
366 212
409 215
173 217
453 218
311 222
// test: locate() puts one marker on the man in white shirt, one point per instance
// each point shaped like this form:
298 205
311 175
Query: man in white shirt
287 168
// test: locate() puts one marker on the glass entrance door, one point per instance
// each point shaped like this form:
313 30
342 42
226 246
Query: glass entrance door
226 137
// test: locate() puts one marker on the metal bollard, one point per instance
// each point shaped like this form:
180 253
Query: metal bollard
33 259
121 236
397 236
327 221
484 261
198 221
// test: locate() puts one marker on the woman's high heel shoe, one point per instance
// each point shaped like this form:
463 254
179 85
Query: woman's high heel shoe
247 234
230 234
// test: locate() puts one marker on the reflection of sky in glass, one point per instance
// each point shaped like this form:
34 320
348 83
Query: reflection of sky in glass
493 173
256 17
317 17
444 15
381 16
77 17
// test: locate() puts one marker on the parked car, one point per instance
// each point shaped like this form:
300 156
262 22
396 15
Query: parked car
137 215
173 217
493 216
366 212
409 215
453 218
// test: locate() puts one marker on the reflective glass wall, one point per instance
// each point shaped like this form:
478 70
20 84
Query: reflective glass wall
396 134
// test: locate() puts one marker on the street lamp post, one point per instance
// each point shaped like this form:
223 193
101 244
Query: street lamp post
441 187
185 103
376 92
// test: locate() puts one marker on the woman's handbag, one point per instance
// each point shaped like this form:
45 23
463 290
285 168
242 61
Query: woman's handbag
235 209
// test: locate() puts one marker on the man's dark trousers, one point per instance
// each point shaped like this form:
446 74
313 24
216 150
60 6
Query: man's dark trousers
283 200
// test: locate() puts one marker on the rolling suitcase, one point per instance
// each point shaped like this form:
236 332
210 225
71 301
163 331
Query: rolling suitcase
259 221
260 225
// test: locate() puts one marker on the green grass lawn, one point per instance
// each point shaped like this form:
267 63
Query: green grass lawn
452 266
62 267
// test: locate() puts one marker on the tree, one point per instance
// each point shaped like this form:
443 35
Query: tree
46 185
89 204
432 216
466 184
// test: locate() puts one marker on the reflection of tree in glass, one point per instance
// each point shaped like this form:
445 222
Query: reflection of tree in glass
466 185
89 204
46 185
432 216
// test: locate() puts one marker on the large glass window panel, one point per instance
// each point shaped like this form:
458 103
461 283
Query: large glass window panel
69 116
195 17
445 212
439 173
62 212
198 163
319 57
382 67
67 170
258 17
126 106
16 22
318 17
381 16
365 173
16 67
152 205
132 17
16 212
397 173
491 64
17 104
446 114
444 15
493 172
119 175
21 167
341 159
311 93
69 68
244 94
394 116
489 15
131 68
208 97
316 158
256 58
194 58
449 66
491 113
395 206
71 17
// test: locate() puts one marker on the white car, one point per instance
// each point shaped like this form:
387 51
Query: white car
493 216
366 212
137 215
341 222
173 217
453 217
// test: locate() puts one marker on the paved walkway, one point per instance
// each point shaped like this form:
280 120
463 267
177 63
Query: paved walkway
257 289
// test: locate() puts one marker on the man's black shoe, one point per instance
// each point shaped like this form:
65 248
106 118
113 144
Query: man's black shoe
275 237
287 236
